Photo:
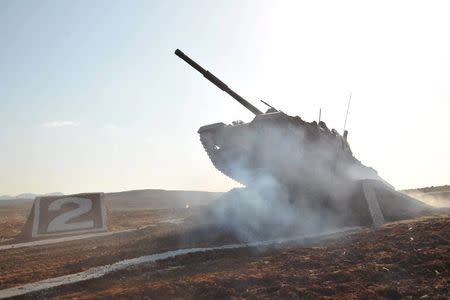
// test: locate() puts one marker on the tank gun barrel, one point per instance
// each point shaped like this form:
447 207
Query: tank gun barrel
217 82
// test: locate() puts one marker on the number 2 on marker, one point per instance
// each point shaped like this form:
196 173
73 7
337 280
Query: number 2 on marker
60 223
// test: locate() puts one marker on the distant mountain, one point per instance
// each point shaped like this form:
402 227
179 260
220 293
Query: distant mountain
135 200
434 195
28 196
54 194
158 199
431 189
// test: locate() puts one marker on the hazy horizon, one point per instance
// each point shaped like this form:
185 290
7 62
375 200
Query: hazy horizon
93 98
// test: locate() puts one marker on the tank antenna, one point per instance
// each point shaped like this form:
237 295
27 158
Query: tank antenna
268 105
348 107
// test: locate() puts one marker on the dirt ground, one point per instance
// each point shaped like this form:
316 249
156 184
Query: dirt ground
130 209
401 260
47 261
408 259
13 218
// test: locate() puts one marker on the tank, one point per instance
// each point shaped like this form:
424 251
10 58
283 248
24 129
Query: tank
307 169
295 153
306 158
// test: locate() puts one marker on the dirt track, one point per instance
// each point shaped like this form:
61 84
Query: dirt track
406 259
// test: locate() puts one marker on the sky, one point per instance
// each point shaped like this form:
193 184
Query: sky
92 98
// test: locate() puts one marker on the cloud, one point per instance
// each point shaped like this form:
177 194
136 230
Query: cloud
58 124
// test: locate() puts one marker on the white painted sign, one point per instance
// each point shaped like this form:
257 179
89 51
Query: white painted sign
72 214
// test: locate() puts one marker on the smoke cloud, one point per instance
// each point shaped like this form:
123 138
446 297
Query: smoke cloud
298 181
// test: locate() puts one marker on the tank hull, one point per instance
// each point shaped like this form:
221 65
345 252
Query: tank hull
306 158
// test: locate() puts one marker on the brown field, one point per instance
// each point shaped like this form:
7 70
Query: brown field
384 262
129 210
407 259
12 219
